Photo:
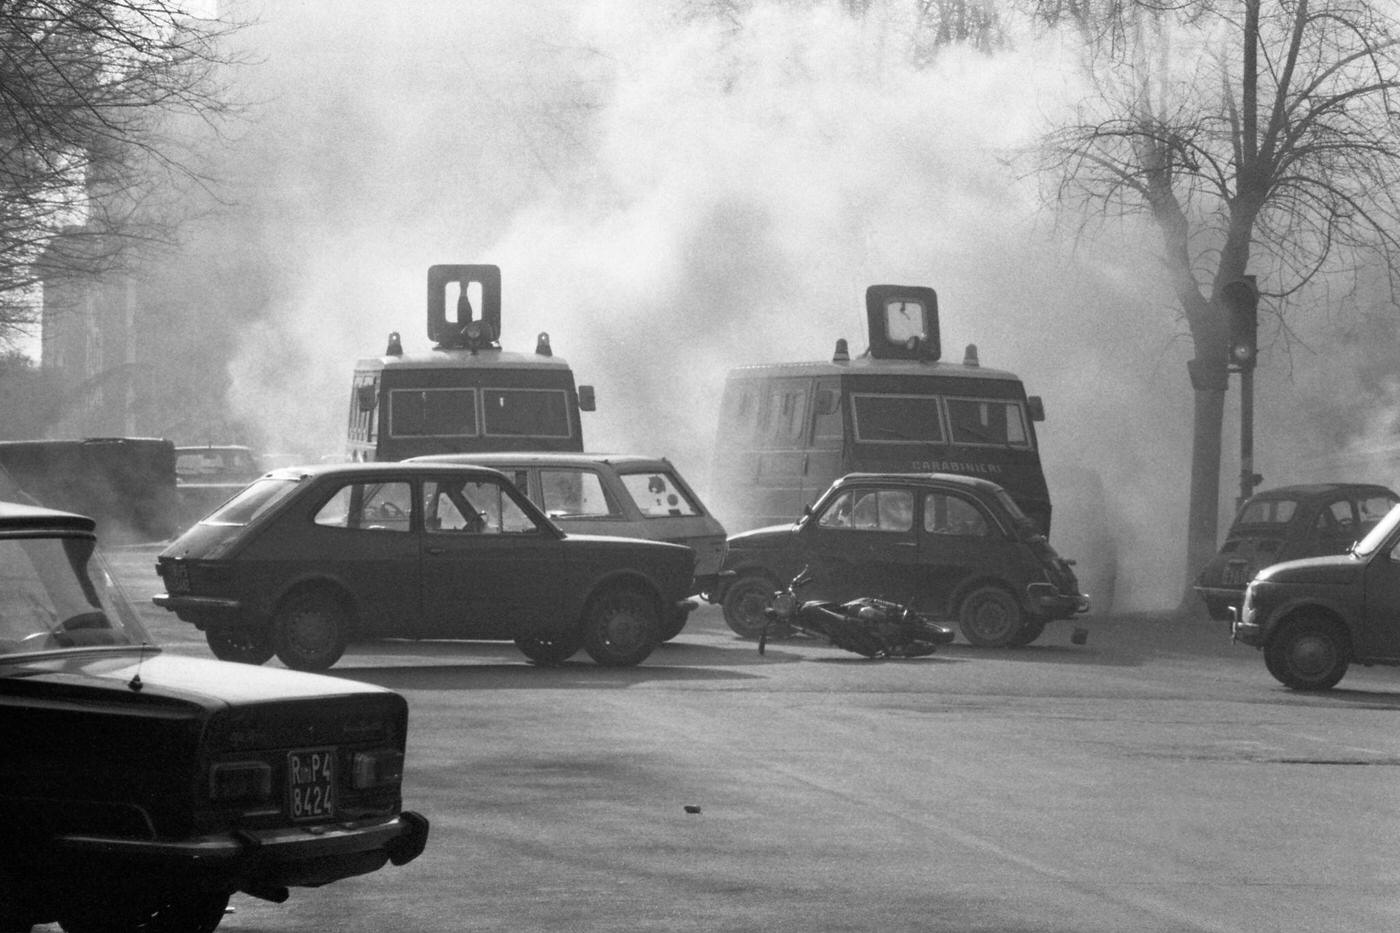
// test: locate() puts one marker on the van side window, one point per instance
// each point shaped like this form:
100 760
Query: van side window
987 421
784 421
826 414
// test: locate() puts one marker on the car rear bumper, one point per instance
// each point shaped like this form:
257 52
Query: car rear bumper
282 857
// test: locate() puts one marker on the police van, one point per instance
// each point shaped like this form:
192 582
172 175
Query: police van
788 430
467 394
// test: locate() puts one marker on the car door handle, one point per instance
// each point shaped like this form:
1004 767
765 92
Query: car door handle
436 550
909 544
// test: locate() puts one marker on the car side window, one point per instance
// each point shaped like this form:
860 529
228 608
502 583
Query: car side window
368 506
889 510
946 514
1336 520
1370 510
573 493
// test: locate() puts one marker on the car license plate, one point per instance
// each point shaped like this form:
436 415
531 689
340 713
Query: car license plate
311 783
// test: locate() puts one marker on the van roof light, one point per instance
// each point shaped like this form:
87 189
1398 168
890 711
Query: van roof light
970 357
843 353
542 345
395 347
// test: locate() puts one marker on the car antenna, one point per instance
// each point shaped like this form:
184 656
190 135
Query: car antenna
135 683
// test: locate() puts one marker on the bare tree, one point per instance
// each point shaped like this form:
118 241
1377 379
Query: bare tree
85 89
1258 140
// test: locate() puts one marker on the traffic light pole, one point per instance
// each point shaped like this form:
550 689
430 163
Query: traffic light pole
1247 475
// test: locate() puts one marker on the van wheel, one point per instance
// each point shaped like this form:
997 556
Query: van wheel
746 603
549 651
1308 654
309 631
621 628
244 645
990 618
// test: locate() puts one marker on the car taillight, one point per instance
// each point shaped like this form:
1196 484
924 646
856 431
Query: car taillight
240 782
376 769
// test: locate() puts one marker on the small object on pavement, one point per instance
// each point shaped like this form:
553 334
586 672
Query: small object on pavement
691 808
1080 636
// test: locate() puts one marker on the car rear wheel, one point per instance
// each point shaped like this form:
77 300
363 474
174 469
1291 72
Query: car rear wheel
746 604
308 633
195 912
990 618
621 628
549 651
1308 654
244 645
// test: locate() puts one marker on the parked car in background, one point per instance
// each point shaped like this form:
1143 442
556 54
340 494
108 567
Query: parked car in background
615 494
207 477
139 790
953 547
1313 618
1287 523
308 560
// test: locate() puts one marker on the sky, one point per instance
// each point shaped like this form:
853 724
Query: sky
670 198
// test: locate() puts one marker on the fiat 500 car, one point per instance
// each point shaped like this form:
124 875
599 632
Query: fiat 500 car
308 560
619 495
139 789
955 547
1313 618
1288 523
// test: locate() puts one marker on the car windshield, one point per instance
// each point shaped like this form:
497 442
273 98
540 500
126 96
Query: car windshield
254 500
57 593
1368 545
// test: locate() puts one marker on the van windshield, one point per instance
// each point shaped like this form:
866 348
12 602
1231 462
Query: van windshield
254 500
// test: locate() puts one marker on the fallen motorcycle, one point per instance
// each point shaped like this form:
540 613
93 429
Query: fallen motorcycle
873 628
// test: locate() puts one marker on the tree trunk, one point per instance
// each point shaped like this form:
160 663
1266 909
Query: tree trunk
1203 521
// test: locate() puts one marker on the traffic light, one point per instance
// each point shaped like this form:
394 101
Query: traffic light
1241 299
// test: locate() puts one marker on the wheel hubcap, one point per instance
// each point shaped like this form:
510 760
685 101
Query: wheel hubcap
1313 656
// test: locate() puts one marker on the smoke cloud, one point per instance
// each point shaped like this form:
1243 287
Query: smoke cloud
671 197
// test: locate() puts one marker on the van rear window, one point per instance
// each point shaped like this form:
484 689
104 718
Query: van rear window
898 419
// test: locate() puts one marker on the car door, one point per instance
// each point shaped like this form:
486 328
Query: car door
362 534
861 542
958 538
1380 633
490 570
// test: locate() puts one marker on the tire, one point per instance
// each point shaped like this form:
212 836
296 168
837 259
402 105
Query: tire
620 628
197 912
549 652
990 618
309 631
674 623
1030 631
1308 654
745 602
244 645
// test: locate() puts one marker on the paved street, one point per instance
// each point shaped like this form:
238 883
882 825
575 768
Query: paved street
1154 778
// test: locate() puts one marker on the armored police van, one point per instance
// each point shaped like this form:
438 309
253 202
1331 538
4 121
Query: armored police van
467 394
788 430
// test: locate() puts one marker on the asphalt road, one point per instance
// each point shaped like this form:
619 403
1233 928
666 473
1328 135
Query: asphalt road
1154 778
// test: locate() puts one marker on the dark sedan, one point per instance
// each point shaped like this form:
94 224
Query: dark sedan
955 546
138 789
307 560
1288 523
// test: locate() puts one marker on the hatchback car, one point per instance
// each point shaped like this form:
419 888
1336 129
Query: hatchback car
620 495
139 789
307 560
1288 523
955 547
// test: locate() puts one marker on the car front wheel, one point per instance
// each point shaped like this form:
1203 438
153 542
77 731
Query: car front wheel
244 645
621 628
990 618
308 633
1308 654
746 603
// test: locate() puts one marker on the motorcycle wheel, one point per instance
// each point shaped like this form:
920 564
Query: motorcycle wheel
745 604
549 652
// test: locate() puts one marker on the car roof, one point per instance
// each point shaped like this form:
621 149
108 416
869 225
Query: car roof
381 468
920 479
18 516
549 458
1316 490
